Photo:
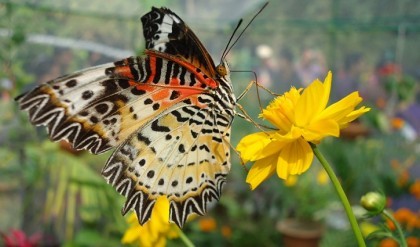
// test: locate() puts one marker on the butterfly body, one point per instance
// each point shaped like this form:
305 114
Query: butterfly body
168 114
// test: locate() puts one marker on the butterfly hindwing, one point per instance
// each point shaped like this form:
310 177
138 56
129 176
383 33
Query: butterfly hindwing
176 155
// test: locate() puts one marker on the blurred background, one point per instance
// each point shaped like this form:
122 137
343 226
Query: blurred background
54 196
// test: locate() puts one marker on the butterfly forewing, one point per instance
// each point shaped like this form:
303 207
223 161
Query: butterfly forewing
71 107
169 119
166 32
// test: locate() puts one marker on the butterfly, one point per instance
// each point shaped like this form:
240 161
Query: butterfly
168 114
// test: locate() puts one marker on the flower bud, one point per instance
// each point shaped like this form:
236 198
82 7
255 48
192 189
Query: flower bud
374 202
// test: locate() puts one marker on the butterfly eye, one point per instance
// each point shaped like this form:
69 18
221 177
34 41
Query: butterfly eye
221 70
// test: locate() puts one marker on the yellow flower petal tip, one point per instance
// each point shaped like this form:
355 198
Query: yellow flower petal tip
301 116
155 231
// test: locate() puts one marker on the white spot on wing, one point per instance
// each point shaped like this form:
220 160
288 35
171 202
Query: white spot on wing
176 19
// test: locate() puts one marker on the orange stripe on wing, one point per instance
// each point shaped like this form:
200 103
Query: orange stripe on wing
161 95
205 79
124 71
152 66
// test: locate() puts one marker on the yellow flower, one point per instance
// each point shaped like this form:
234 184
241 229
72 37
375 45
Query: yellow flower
155 231
301 117
367 228
322 177
291 181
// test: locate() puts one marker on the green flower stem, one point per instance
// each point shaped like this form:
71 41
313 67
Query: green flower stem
401 239
185 239
341 194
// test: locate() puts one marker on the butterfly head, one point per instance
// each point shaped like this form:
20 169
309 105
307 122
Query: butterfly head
223 69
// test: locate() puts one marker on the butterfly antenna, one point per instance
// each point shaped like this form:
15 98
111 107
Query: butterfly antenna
230 39
243 31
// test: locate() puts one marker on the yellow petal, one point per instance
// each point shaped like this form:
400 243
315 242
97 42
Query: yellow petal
146 239
161 210
277 143
294 159
155 227
321 129
342 108
352 116
155 231
313 101
280 111
251 147
261 170
279 117
327 91
131 235
308 104
161 242
294 95
132 219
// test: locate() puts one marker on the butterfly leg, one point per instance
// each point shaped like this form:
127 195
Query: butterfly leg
239 156
248 118
257 86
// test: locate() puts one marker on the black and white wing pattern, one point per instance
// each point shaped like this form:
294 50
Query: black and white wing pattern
168 114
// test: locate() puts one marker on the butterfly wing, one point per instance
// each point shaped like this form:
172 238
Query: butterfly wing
81 108
166 116
100 107
166 32
183 154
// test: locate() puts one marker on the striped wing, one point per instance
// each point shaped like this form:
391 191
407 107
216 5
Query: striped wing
166 32
167 113
183 154
98 108
171 140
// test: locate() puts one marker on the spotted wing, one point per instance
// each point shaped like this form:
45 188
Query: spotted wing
166 32
184 154
81 108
